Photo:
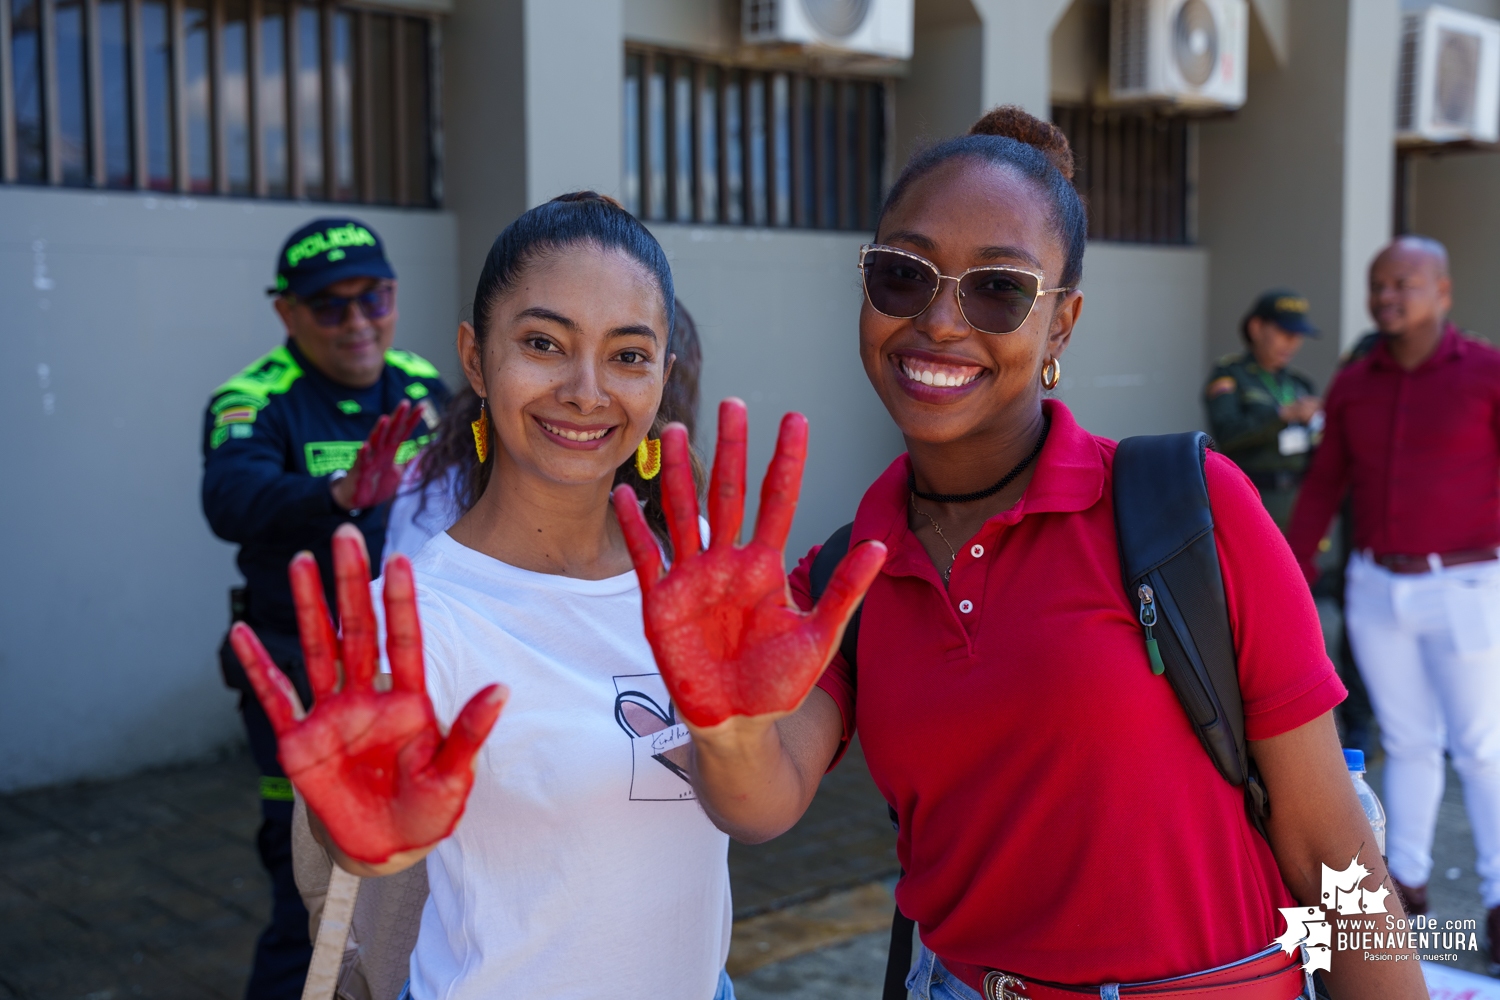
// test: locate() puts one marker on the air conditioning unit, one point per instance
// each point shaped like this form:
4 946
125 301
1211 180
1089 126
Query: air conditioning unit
1450 78
1184 52
866 27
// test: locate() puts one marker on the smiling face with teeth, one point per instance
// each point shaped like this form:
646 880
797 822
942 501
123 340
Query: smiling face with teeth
572 367
964 399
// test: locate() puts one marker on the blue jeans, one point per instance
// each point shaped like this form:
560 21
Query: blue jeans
725 990
930 981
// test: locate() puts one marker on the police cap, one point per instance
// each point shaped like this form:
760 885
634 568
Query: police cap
1286 309
326 251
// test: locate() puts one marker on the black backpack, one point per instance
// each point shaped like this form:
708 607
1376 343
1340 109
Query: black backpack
1170 566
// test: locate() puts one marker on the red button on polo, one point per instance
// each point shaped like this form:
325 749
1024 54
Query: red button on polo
1058 817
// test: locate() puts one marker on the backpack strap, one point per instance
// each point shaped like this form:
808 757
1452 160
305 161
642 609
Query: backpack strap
1170 564
821 571
898 956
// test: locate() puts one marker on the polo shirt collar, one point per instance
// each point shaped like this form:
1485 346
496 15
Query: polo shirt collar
1070 475
1450 348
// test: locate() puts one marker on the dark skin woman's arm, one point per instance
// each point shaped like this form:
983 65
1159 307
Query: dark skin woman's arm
1316 819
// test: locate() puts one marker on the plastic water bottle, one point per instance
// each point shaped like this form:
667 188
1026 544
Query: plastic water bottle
1374 811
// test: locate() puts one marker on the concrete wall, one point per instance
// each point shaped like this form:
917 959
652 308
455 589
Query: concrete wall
122 313
1138 356
1295 188
699 25
943 93
1456 199
532 104
778 313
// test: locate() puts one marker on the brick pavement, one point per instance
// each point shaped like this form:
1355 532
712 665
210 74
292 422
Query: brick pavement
150 887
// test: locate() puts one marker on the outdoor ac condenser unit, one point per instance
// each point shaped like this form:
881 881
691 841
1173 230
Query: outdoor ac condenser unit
1186 52
1450 78
865 27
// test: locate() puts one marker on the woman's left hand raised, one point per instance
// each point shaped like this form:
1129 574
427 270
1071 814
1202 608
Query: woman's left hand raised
727 637
373 765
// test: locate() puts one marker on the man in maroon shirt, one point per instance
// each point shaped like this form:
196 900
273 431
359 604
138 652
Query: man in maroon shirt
1413 434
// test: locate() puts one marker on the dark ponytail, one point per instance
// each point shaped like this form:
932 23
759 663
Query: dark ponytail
566 221
1038 151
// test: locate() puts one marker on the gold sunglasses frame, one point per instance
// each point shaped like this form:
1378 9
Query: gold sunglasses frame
868 248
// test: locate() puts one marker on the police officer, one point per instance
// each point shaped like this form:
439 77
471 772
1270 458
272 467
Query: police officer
1263 414
306 438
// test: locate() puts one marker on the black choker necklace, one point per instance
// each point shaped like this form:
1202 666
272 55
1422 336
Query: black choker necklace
1006 480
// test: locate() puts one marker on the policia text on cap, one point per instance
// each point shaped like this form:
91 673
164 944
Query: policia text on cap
1264 414
308 437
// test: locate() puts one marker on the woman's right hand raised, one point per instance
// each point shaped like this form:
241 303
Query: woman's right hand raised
728 639
373 765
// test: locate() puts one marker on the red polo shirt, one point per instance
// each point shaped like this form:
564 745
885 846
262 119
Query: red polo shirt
1058 817
1420 451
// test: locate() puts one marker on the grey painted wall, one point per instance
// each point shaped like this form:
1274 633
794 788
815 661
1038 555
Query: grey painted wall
1139 355
1290 192
943 93
778 313
701 25
122 313
1456 199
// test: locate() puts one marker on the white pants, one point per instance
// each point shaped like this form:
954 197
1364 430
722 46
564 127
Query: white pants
1428 647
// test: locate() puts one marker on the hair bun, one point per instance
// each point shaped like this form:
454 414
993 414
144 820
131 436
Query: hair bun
1013 122
589 196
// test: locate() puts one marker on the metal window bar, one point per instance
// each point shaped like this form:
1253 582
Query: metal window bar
1132 170
82 143
7 101
138 97
98 165
51 139
708 142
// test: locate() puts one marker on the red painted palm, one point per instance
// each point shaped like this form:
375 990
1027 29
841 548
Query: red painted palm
375 474
727 637
373 765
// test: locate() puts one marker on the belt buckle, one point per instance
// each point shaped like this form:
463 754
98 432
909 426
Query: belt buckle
998 986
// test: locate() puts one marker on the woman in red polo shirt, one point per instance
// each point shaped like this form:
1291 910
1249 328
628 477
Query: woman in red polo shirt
1060 823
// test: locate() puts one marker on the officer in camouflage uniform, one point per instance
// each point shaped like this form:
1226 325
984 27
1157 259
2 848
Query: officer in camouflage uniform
1263 414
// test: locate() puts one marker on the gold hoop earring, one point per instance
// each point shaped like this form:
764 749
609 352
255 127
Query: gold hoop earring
1051 374
481 434
648 457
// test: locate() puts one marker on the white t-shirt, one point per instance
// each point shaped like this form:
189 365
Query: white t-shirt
417 514
583 865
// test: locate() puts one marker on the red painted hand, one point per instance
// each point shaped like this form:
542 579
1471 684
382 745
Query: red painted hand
727 637
373 765
375 476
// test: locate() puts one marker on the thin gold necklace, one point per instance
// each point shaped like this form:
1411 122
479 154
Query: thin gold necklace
952 555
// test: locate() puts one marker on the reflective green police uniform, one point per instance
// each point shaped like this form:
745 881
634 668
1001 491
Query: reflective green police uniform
1244 401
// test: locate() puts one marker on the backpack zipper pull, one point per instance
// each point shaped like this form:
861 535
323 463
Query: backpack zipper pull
1148 619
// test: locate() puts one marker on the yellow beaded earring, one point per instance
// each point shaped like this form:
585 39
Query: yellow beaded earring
648 458
481 434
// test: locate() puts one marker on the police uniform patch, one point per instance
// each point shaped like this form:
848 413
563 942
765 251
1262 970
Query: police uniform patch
235 415
1221 386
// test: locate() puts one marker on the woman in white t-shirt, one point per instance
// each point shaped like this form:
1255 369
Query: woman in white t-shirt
583 866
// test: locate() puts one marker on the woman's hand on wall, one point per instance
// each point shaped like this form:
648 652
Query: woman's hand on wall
373 765
728 639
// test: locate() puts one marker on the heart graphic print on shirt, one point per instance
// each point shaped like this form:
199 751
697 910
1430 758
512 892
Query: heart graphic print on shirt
658 742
